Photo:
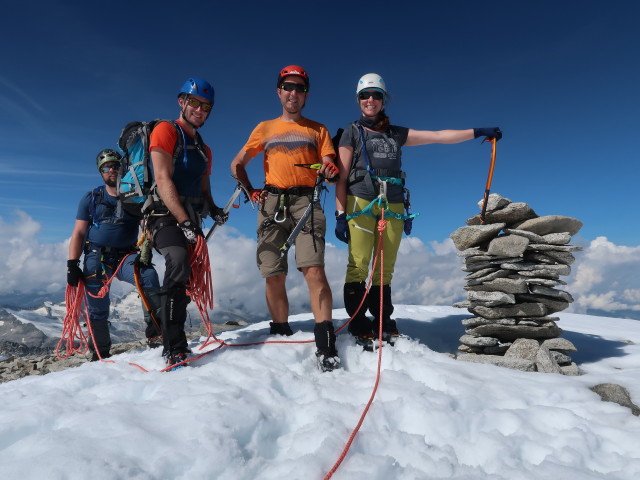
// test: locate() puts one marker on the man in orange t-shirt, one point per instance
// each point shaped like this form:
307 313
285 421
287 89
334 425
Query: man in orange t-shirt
287 141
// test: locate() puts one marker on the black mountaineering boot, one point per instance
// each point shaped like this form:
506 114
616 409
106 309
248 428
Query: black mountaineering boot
326 355
280 329
176 359
389 327
354 292
173 315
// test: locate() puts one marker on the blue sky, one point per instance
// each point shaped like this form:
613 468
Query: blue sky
560 78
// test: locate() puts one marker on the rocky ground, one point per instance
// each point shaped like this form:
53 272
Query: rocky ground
45 360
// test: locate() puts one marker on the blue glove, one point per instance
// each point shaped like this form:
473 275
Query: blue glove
342 228
408 225
489 132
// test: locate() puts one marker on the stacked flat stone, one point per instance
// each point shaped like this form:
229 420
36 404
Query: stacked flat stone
514 262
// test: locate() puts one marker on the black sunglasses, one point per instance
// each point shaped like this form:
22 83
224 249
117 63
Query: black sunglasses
369 94
195 103
106 168
290 87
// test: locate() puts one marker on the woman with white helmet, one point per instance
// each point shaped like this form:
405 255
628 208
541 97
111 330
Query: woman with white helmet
371 162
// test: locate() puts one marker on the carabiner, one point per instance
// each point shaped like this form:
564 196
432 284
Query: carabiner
282 207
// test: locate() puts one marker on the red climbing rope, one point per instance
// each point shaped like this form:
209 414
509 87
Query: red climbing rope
200 287
382 224
73 340
107 283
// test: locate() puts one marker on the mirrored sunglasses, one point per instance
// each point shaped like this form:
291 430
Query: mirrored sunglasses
370 93
195 103
290 87
106 168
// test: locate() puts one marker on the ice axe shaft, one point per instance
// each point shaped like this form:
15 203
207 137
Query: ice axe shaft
487 188
234 196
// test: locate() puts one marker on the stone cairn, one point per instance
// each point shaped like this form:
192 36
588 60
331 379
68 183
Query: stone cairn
514 262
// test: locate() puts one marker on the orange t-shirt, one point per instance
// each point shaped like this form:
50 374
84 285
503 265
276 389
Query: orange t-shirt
287 143
165 136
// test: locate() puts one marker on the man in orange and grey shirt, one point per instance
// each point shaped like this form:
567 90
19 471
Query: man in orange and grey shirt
287 141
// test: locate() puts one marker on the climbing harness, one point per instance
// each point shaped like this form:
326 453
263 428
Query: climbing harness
317 190
382 202
384 177
489 180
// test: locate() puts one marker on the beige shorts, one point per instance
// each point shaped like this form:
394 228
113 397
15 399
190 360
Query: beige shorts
275 224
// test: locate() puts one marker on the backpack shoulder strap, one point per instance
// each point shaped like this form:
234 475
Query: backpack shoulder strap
96 197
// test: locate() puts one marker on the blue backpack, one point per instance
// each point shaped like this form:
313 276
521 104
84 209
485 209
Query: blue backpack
136 187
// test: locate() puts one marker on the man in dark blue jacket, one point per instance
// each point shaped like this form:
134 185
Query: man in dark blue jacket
105 233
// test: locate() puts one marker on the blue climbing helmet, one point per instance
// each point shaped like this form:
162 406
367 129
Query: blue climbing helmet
199 87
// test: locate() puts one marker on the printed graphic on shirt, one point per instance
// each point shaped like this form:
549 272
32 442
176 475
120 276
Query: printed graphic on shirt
384 148
290 143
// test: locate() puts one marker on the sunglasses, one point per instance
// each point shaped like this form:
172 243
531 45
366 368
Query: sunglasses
106 168
195 103
290 87
369 94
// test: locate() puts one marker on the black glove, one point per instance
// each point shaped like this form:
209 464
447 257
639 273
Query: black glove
191 231
219 215
74 273
342 228
489 132
408 225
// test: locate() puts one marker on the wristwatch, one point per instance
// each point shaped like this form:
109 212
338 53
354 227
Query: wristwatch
339 212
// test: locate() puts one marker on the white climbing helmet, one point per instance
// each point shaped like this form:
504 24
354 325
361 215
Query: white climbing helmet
371 81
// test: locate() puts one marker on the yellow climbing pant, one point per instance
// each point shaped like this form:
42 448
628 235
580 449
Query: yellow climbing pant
364 237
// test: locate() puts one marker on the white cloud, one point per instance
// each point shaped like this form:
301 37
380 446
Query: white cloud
604 276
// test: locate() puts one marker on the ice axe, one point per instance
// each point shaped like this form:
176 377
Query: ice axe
487 188
317 189
240 188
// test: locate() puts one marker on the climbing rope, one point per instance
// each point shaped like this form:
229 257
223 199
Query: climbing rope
200 287
382 224
73 340
106 284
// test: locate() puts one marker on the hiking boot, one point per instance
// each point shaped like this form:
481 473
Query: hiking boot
104 354
327 362
172 315
353 292
154 342
373 300
367 342
280 329
326 355
176 359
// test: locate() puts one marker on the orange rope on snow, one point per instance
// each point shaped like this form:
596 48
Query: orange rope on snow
382 224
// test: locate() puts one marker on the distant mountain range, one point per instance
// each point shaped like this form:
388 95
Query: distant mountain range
33 325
